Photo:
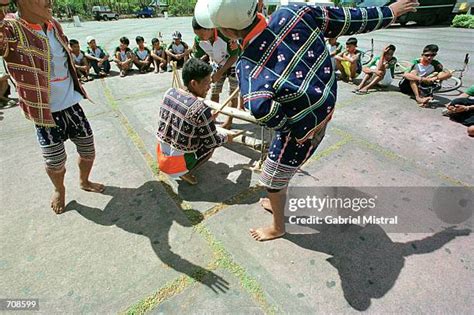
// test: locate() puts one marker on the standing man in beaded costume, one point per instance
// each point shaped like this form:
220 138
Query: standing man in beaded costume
38 59
287 80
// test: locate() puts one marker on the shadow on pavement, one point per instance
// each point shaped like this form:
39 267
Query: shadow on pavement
367 260
215 185
139 211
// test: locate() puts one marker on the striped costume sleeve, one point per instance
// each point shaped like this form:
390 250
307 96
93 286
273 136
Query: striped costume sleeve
258 97
338 21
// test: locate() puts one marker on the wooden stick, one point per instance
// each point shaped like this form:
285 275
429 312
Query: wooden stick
232 112
228 100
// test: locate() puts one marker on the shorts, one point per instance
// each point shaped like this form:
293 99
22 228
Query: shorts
233 83
175 163
346 65
71 123
179 62
286 156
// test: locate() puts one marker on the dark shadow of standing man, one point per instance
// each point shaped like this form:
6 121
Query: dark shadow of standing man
367 260
139 211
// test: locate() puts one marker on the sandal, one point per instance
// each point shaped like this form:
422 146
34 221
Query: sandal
190 179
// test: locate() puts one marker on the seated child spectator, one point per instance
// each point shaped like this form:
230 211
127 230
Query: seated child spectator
349 61
379 72
142 58
222 53
124 56
97 57
424 77
335 48
461 110
80 60
159 56
178 51
187 135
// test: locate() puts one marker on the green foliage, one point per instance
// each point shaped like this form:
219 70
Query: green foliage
84 7
464 21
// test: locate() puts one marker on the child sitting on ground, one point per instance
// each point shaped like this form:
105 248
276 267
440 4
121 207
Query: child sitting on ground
187 135
124 56
335 48
424 77
178 51
159 56
349 61
80 60
142 58
379 72
461 110
97 57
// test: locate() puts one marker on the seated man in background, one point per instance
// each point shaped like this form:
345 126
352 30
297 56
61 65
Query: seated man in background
142 55
178 51
424 77
80 60
124 57
379 72
159 56
187 135
349 61
97 57
461 110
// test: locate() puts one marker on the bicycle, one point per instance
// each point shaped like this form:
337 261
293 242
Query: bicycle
451 84
367 55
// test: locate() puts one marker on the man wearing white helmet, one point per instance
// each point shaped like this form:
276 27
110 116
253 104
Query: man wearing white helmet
286 78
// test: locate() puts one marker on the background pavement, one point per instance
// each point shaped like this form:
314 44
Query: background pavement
150 245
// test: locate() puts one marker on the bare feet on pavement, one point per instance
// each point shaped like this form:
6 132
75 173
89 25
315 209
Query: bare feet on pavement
92 187
58 200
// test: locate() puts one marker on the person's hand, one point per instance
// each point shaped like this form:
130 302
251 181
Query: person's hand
460 108
100 63
233 44
214 115
404 6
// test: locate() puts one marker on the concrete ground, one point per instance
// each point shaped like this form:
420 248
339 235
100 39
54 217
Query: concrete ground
151 245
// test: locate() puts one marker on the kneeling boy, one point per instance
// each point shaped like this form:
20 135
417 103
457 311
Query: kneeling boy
187 135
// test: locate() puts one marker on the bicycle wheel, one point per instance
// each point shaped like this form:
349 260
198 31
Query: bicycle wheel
366 57
449 85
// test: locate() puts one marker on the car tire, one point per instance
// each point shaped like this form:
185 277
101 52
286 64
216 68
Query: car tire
105 18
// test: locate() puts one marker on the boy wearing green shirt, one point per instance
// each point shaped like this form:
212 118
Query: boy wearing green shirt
222 53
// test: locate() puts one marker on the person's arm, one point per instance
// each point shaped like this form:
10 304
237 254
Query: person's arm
170 52
219 73
339 21
340 56
106 55
258 94
207 131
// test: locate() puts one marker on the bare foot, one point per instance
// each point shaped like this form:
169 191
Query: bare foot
92 187
190 179
58 200
266 234
423 101
266 205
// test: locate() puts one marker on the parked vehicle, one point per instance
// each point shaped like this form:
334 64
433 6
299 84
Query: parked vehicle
428 13
146 12
160 6
104 13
